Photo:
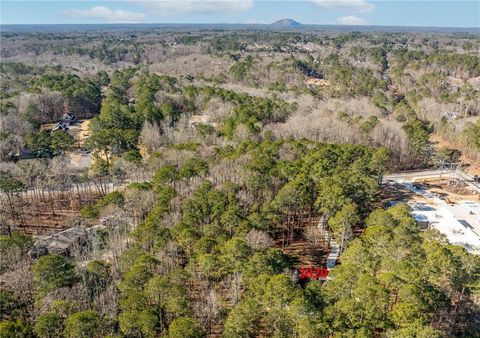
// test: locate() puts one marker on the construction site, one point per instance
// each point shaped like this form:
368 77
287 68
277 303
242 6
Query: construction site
445 200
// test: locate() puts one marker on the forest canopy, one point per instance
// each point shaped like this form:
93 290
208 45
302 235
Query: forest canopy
172 182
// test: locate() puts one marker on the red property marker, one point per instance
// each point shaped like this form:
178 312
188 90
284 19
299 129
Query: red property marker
313 273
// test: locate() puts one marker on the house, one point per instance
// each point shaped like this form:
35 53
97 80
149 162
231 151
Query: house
66 241
422 221
450 115
59 126
59 243
68 119
20 154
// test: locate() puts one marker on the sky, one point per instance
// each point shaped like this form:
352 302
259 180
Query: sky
439 13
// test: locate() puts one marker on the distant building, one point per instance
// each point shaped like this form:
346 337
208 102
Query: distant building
68 119
60 126
20 154
423 223
450 115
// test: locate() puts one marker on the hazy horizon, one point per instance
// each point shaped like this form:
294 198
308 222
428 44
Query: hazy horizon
422 13
233 26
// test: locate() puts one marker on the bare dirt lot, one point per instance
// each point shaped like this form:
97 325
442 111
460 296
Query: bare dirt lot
444 189
78 158
79 131
471 167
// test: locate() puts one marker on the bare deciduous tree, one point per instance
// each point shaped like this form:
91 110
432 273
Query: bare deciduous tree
314 235
258 240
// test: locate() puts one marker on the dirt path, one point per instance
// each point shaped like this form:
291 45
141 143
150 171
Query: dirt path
80 132
78 158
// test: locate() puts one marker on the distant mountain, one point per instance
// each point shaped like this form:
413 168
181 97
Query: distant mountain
286 23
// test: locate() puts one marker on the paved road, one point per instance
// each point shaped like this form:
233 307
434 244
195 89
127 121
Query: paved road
75 188
407 176
412 176
468 179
